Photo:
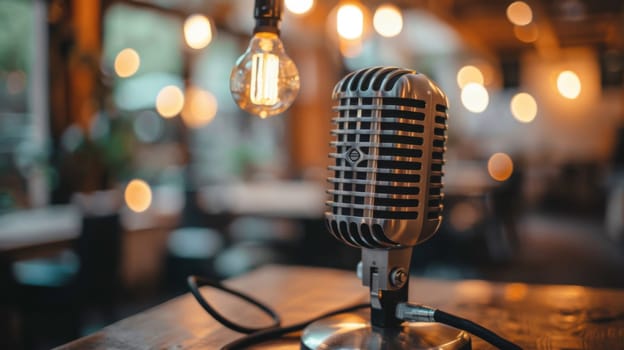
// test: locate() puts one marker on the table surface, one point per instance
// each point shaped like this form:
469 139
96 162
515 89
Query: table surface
533 316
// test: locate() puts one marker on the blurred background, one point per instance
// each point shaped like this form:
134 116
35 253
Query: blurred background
125 165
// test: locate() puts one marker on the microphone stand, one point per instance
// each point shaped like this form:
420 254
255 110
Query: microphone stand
386 273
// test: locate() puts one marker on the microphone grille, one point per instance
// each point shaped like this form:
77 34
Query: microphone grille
385 137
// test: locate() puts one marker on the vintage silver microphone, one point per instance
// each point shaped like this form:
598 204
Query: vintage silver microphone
386 196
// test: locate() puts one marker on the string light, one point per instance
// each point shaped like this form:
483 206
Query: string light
523 107
170 101
527 34
138 195
500 166
197 31
299 7
469 74
127 63
200 107
388 20
519 13
350 22
475 97
569 84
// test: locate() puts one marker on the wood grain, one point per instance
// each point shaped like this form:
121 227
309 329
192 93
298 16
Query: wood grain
534 316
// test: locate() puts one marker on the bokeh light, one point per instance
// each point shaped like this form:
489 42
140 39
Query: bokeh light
469 74
350 22
516 291
197 31
299 7
170 101
519 13
388 20
523 107
569 84
464 216
127 62
475 97
200 107
500 166
526 34
138 195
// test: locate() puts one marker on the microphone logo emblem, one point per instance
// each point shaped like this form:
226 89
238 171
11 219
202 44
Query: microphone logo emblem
354 155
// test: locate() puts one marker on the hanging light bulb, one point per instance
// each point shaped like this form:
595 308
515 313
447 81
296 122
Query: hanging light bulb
265 81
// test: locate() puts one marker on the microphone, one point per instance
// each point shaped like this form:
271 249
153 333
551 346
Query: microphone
386 188
385 185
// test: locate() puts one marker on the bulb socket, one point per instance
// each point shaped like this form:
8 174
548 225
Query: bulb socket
268 15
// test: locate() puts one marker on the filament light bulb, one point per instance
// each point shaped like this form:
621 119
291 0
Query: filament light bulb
265 81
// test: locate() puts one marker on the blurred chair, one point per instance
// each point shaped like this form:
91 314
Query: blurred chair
615 211
54 292
614 218
8 336
99 250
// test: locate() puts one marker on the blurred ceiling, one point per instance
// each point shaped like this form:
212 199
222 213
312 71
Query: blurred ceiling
562 23
481 23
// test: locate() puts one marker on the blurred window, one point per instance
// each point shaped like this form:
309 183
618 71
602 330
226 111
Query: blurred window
144 52
22 132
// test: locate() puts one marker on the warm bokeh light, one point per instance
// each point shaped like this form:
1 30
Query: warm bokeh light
170 101
523 107
516 291
299 7
475 97
569 84
200 107
138 195
519 13
197 31
464 215
500 166
127 63
388 20
469 74
526 34
350 22
475 291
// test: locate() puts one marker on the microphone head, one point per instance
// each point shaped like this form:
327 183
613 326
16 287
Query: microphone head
389 142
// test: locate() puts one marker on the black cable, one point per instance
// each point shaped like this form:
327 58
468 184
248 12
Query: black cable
258 335
471 327
194 282
273 333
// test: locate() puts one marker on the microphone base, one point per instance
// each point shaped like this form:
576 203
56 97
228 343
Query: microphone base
354 331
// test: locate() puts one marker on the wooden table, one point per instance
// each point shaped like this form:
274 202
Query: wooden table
534 316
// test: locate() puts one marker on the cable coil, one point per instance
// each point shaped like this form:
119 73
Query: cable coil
257 335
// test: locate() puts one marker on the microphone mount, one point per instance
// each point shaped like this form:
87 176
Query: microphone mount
386 273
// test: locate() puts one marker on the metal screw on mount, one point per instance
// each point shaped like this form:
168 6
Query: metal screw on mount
398 277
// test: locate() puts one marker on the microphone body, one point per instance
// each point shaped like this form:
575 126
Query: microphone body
386 188
386 182
385 198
